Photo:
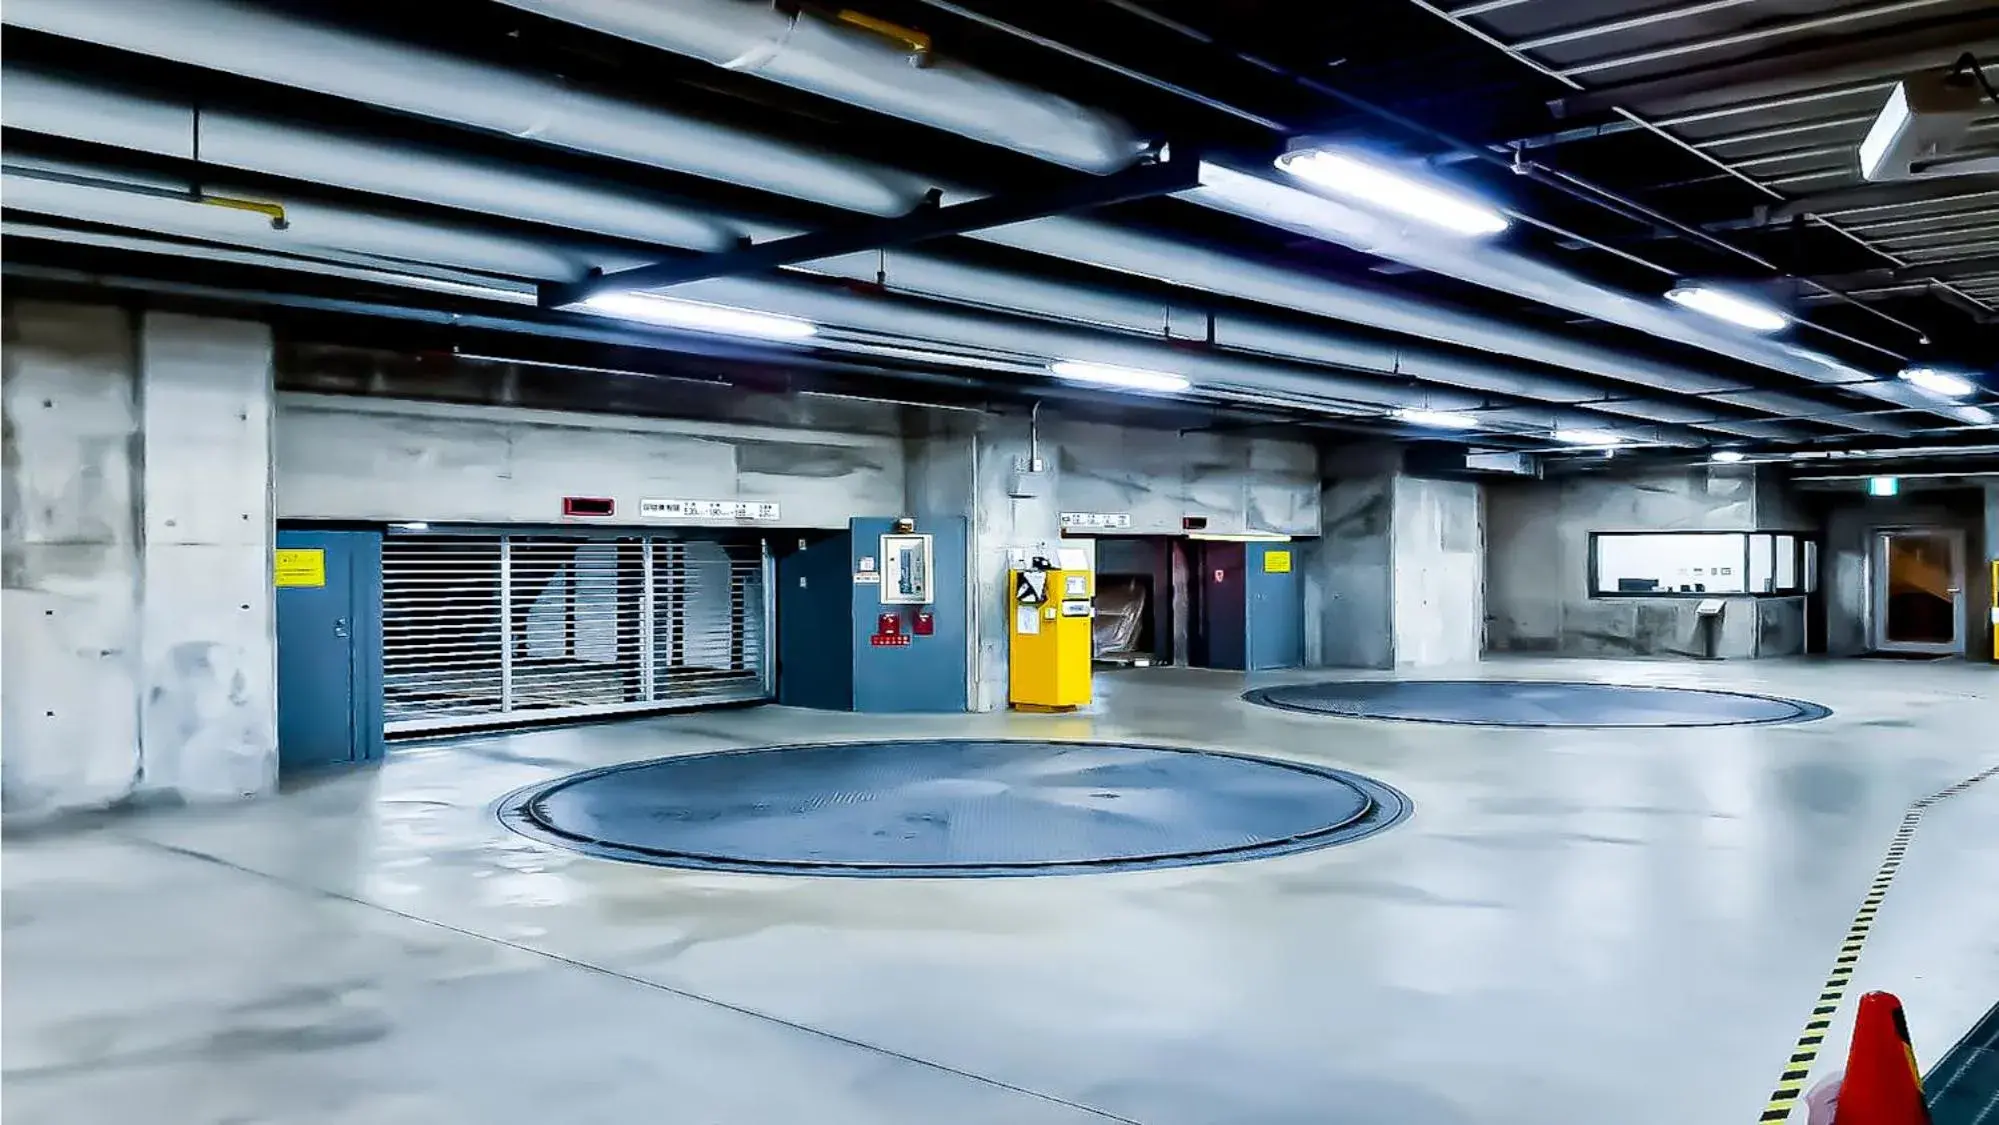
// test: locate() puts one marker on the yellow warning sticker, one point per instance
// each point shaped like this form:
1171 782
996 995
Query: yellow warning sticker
1277 562
295 566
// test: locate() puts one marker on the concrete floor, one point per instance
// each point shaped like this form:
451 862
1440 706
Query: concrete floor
1575 926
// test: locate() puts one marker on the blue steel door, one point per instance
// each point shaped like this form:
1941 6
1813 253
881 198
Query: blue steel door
329 699
1225 605
1276 624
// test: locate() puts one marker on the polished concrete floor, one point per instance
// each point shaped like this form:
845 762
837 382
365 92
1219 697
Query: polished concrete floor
1575 926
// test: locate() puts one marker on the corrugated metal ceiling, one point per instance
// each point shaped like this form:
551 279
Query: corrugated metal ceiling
1781 92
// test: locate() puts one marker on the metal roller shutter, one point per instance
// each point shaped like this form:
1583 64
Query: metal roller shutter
484 630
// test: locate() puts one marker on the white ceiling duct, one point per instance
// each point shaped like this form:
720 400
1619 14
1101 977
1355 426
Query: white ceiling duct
386 242
365 235
61 106
984 107
805 51
41 103
312 228
277 47
256 42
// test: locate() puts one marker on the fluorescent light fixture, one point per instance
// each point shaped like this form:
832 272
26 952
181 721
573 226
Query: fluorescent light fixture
1107 375
695 316
417 525
1731 307
1377 185
1588 437
1238 537
1436 419
1976 415
1727 456
1937 381
1887 129
1883 486
1922 127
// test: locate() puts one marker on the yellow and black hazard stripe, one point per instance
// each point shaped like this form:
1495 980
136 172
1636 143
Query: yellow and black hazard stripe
1791 1083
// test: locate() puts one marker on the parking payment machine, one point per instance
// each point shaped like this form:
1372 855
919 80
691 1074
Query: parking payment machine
1049 613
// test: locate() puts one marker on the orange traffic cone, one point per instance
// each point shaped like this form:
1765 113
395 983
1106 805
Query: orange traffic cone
1882 1086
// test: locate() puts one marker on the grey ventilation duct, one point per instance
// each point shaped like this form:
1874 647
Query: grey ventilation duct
853 65
366 240
41 103
283 49
840 58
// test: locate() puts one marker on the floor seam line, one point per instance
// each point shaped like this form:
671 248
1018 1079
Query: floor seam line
657 986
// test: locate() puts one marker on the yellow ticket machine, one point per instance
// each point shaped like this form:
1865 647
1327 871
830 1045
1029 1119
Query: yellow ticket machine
1049 621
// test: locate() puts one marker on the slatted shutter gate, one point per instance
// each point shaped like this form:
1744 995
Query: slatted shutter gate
483 631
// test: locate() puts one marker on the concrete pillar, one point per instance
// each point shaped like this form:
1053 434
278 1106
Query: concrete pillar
969 465
72 570
1001 524
209 724
1439 571
1991 557
1349 574
139 642
1397 576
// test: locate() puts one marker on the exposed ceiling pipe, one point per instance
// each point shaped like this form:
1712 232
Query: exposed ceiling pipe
710 28
364 238
802 49
41 103
280 48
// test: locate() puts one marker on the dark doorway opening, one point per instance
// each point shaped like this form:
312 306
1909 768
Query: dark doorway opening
1135 601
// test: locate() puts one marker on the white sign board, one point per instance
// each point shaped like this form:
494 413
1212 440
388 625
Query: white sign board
1096 521
755 510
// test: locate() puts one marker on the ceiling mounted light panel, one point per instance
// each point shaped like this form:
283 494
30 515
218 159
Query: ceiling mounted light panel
1378 185
1436 419
694 316
1129 378
1736 309
1588 438
1937 381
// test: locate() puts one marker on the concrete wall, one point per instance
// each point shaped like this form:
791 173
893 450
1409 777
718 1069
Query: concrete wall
379 459
1439 571
1846 566
1238 483
1350 577
966 464
1537 564
1396 578
1991 603
140 642
391 460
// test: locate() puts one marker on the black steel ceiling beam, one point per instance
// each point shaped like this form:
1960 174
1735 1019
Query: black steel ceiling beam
1823 63
1940 271
1895 193
1181 172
